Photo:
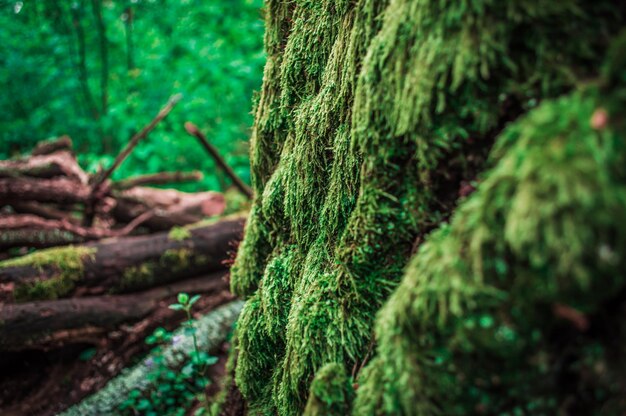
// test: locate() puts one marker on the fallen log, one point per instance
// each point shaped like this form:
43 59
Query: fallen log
121 264
44 211
170 207
61 163
161 178
211 330
58 190
34 231
51 146
27 325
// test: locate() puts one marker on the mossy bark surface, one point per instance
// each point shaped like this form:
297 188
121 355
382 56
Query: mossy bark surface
123 264
374 118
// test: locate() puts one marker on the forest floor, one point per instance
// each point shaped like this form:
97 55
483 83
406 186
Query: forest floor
43 383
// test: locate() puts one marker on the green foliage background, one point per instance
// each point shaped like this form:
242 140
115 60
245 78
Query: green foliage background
210 51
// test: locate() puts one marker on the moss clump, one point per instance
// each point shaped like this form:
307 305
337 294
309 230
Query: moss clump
179 259
66 263
179 234
371 114
139 276
473 323
331 392
173 261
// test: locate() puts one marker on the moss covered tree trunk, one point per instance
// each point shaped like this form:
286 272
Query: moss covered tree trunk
440 216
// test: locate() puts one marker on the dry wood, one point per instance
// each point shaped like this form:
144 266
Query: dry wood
195 131
57 190
45 211
34 231
170 207
47 147
160 178
100 179
60 163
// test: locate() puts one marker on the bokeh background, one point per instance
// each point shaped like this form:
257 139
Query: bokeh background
99 70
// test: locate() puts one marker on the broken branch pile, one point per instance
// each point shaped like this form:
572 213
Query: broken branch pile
111 252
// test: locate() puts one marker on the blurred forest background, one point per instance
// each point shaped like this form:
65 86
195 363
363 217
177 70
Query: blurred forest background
98 70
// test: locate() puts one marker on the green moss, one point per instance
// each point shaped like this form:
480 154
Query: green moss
178 260
369 118
66 264
331 392
139 276
472 325
179 234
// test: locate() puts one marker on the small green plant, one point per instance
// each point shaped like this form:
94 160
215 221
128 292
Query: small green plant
176 390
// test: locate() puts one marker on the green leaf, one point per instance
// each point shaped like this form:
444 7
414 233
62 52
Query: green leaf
183 298
176 307
194 299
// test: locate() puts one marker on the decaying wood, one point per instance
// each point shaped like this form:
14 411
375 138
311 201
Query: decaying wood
122 264
170 207
31 324
45 211
161 178
61 163
99 180
211 330
219 160
34 231
47 147
58 190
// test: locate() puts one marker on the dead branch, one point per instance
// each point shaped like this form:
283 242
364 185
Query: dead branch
100 179
193 130
61 163
160 178
57 190
48 147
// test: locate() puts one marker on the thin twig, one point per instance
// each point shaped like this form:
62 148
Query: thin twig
135 140
195 131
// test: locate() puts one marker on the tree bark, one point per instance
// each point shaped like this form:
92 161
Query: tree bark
57 190
161 178
61 163
122 264
170 207
49 147
44 211
34 323
34 231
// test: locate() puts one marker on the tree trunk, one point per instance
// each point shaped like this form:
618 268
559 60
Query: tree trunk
122 264
364 248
